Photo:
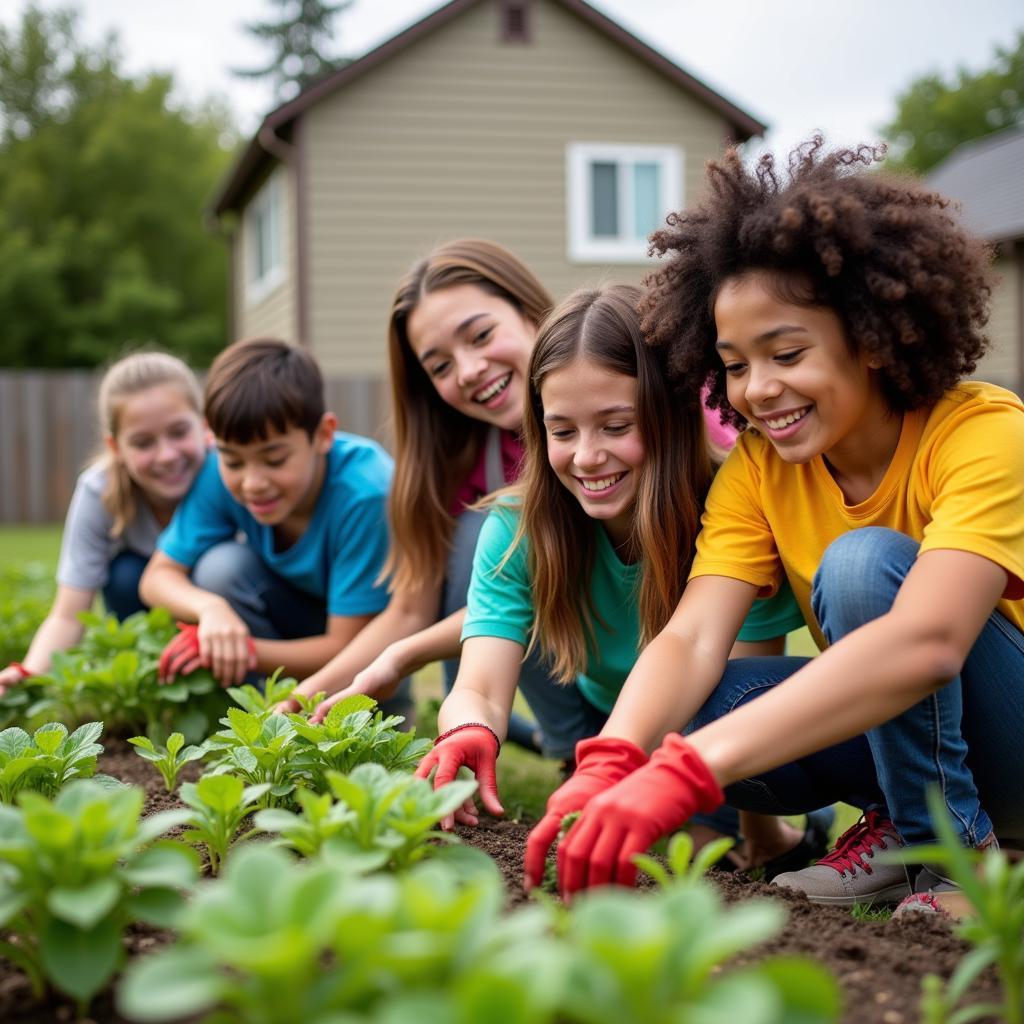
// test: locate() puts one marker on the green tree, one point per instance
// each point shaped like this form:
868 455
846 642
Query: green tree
299 40
935 115
103 181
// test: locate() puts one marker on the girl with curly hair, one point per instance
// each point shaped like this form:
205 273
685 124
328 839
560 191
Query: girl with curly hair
585 560
833 314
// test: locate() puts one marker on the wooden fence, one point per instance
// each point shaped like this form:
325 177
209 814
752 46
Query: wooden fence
48 432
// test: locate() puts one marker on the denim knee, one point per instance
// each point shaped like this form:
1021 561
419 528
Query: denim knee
219 568
858 578
121 591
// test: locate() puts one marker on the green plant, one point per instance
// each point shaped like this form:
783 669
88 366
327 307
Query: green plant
354 732
682 865
25 595
111 676
48 759
260 747
169 760
377 811
273 941
995 891
219 804
74 872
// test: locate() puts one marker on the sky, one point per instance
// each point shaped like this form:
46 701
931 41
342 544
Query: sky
799 65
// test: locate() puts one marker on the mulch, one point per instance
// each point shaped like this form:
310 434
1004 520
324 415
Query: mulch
879 965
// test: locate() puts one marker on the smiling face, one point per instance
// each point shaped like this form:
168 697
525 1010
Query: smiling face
278 479
791 374
593 441
161 442
475 348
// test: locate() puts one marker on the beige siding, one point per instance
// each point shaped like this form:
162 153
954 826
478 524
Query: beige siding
1002 364
464 135
274 314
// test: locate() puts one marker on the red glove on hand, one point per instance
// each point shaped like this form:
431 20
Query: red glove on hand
181 655
600 762
626 819
476 746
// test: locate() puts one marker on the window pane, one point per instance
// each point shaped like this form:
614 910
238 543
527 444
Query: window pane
646 190
604 191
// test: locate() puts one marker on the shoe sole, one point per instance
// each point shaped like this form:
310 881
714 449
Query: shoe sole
892 896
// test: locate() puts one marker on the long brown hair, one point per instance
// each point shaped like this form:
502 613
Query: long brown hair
603 326
436 446
128 376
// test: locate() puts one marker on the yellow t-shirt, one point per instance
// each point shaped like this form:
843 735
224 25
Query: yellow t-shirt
956 481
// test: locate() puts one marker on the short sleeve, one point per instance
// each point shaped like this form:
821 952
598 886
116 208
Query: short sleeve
976 476
205 517
499 603
359 551
736 539
85 547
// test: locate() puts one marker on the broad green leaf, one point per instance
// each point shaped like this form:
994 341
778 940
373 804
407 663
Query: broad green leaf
80 962
168 864
14 742
49 737
175 742
170 985
86 905
143 745
221 792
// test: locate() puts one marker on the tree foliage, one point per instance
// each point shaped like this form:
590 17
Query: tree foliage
103 180
934 116
299 41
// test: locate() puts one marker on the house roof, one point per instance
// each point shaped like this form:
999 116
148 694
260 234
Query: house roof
259 148
985 176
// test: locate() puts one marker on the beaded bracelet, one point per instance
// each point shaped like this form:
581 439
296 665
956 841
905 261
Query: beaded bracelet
468 725
25 674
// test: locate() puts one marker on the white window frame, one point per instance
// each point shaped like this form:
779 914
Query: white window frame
583 246
268 202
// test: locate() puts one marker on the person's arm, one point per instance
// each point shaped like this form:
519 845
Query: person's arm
224 641
60 630
381 678
307 654
890 664
406 613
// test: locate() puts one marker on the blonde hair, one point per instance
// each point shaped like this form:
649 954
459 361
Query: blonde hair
128 376
436 446
603 326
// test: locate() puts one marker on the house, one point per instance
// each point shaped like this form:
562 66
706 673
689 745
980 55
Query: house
541 124
985 177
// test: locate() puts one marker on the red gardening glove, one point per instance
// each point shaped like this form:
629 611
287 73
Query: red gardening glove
181 655
476 746
626 819
600 762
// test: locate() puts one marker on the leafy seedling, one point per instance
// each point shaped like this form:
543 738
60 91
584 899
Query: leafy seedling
168 760
48 759
683 866
218 806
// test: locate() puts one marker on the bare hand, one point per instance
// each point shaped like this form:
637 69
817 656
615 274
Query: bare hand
225 645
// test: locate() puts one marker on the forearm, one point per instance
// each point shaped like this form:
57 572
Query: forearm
435 643
485 687
299 658
668 685
394 624
55 633
869 677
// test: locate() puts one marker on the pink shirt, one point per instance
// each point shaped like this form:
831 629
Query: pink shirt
475 486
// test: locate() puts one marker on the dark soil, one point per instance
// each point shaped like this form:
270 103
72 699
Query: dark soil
878 965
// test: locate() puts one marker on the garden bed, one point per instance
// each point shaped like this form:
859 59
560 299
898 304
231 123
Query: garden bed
879 965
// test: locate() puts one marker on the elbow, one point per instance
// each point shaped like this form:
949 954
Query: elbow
939 655
146 591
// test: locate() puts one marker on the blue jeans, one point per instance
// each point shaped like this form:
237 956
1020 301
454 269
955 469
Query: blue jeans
121 591
967 738
564 716
270 606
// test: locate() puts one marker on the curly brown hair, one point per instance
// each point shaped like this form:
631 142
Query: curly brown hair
909 284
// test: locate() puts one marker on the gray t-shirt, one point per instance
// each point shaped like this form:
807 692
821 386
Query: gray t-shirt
87 547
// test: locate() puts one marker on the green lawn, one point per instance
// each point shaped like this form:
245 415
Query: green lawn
30 543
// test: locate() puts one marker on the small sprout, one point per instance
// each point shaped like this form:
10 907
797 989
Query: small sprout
168 760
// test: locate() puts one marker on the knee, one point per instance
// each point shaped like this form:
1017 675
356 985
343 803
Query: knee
220 568
864 567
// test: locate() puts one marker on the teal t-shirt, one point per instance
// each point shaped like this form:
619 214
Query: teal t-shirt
500 604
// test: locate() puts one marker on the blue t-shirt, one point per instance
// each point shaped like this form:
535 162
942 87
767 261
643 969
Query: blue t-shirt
339 557
500 604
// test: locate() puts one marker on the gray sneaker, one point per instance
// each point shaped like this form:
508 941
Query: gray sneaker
849 875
